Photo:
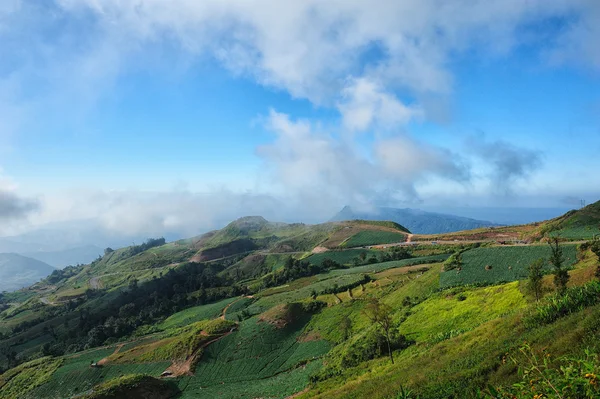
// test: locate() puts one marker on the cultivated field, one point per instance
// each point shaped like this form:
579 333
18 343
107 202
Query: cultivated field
494 265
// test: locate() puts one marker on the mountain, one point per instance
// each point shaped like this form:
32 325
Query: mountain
67 257
417 221
17 271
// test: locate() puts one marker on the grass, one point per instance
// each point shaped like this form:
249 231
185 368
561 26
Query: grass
373 237
493 265
461 310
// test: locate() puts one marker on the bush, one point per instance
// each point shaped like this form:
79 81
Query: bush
543 377
559 305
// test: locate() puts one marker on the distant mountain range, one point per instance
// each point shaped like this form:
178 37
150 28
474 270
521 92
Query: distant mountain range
17 271
417 221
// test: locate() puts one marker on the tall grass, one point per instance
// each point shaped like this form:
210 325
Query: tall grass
573 300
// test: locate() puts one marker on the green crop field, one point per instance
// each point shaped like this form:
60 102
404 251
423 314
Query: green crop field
493 265
280 386
257 351
343 257
379 267
368 237
578 232
237 308
197 313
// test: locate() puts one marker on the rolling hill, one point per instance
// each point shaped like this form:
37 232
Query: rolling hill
417 221
263 309
17 271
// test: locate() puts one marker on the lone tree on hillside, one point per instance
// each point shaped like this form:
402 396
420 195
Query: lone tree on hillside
534 284
561 274
595 247
381 315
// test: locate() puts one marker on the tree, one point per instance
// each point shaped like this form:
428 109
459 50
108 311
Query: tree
595 247
345 327
381 315
108 250
561 274
534 284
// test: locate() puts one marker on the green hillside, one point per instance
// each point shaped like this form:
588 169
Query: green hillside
300 314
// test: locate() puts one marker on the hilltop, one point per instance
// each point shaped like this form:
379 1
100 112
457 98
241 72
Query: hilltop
418 221
266 309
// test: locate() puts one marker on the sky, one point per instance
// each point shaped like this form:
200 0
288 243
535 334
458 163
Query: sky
147 116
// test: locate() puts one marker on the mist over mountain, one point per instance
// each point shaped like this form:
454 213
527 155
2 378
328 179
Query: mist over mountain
17 271
416 220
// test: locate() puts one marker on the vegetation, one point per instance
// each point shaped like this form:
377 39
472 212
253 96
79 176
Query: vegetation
134 386
365 238
347 323
545 377
534 282
493 265
563 303
561 274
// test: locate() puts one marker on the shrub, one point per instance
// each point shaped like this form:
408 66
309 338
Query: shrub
560 305
542 377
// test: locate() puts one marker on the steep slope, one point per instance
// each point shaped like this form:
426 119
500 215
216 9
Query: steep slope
17 271
417 221
582 224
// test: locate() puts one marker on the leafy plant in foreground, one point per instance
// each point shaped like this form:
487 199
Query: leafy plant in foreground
542 377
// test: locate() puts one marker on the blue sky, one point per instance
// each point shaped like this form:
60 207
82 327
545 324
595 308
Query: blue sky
152 115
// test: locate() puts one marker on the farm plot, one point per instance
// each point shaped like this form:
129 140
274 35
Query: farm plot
76 376
197 313
280 386
345 257
493 265
371 237
578 232
237 308
258 350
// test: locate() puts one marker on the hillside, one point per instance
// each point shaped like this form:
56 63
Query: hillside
17 271
417 221
263 309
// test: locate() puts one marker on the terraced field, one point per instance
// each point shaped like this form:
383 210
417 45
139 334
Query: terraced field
494 265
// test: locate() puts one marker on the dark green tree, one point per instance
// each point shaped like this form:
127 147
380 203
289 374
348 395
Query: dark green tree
561 274
534 282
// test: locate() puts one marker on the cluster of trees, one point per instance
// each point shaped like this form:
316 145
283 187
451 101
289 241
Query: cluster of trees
114 316
62 274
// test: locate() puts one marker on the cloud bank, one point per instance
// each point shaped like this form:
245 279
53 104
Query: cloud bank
382 65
